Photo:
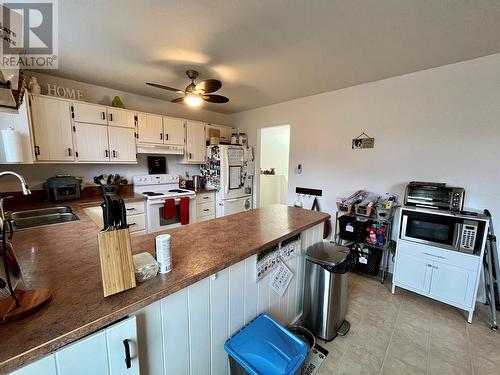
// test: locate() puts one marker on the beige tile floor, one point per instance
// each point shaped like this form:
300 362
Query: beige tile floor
405 333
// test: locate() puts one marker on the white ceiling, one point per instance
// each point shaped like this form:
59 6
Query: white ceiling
267 51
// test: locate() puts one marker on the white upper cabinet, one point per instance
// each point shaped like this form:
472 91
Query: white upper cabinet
149 128
121 117
89 113
121 144
173 129
91 143
51 120
195 143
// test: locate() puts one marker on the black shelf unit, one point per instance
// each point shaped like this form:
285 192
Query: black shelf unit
385 249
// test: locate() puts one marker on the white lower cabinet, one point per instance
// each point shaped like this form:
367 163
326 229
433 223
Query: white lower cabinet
453 284
103 352
44 366
87 356
123 348
447 276
414 272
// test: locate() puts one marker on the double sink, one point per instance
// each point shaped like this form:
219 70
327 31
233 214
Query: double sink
41 217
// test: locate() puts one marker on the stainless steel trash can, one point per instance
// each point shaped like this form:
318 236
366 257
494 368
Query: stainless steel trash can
325 290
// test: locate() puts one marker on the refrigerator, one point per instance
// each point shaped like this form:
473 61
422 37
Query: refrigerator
231 169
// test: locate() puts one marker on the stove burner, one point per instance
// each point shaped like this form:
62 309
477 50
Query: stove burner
151 194
178 191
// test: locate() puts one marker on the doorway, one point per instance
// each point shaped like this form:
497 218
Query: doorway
274 158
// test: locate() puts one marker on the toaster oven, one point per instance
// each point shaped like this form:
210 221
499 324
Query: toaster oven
434 195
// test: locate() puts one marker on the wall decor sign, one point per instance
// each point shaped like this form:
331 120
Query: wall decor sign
64 92
363 141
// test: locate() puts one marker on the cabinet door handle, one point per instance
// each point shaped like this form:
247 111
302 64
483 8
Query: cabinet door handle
206 209
106 153
103 115
429 265
69 151
128 360
206 197
166 136
110 117
130 209
161 136
436 268
114 153
190 155
37 150
435 256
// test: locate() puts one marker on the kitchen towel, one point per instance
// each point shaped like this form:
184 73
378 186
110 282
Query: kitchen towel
169 208
184 210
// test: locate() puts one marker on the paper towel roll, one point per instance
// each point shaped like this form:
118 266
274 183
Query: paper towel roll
12 145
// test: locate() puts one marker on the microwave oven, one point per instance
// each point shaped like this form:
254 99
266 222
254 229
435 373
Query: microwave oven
463 233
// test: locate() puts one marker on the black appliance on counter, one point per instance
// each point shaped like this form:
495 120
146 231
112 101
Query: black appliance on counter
157 165
434 195
62 187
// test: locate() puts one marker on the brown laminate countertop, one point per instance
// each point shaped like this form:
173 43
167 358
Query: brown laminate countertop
65 259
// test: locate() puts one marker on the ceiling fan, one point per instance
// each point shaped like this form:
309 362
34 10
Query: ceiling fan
196 93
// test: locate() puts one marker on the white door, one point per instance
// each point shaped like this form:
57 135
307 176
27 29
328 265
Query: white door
413 272
91 142
121 117
45 366
122 144
453 284
173 129
90 113
123 350
52 130
233 206
195 142
87 356
149 128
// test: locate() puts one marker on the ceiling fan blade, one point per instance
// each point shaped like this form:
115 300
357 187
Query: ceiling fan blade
165 87
209 85
178 100
215 98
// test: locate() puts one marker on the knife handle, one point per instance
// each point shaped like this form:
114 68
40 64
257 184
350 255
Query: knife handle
123 214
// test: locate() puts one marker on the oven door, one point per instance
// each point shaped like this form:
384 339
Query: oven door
431 229
156 221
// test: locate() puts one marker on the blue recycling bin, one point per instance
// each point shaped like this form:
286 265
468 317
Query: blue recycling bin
265 347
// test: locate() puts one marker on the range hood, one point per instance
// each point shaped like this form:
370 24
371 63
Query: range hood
144 148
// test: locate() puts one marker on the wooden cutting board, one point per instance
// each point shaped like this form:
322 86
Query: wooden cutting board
117 266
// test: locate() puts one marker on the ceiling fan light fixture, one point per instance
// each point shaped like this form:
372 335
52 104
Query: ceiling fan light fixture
194 100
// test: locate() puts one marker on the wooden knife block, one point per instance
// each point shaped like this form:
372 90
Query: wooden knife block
117 266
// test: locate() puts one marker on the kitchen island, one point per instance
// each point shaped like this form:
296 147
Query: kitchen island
65 259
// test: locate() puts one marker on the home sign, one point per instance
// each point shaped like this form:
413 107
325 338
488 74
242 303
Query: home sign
64 92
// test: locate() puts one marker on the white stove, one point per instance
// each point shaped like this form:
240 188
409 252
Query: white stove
157 188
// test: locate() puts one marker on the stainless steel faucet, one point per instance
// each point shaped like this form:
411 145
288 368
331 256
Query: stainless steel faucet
24 185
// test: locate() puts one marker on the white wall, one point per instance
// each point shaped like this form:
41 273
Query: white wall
37 174
275 148
441 124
